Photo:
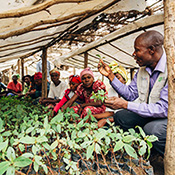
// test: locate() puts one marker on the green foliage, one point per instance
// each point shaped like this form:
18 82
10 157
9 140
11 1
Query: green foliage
100 95
28 136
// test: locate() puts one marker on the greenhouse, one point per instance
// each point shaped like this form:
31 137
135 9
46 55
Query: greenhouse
86 87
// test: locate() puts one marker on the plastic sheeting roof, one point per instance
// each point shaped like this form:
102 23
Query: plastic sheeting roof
26 28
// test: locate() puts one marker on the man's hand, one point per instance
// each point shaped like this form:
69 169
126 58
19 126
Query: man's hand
105 70
116 103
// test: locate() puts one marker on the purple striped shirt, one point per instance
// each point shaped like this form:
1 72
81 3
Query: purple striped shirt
130 93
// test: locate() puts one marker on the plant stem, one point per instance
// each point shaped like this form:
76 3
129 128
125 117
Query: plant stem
105 162
82 159
97 163
116 162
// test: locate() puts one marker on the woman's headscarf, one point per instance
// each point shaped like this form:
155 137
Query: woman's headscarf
86 71
55 70
18 76
37 76
118 69
75 79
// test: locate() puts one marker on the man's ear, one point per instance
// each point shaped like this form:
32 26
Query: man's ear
152 49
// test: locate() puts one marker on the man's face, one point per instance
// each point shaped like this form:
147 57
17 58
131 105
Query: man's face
142 53
54 77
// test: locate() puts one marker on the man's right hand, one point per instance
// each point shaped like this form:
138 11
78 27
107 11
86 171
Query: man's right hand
105 70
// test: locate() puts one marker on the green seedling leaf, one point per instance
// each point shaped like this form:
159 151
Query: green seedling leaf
98 55
143 147
38 160
22 161
36 167
118 146
29 130
130 151
46 145
3 145
1 125
54 144
141 131
45 168
10 170
97 148
7 133
90 151
128 138
28 155
35 149
4 166
41 139
27 140
21 147
151 138
11 154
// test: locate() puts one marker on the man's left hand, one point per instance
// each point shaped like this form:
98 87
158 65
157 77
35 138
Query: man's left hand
116 103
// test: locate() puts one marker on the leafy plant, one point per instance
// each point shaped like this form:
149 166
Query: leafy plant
100 95
32 140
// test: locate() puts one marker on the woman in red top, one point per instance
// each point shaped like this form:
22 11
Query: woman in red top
74 81
14 87
85 89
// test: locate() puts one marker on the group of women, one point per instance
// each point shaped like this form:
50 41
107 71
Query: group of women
77 96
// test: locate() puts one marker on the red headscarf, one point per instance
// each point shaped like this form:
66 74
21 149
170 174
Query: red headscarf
37 76
75 79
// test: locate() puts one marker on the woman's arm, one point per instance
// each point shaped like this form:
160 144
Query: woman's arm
70 102
96 104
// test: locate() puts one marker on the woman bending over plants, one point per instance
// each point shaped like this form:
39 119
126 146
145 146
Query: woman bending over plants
74 81
85 89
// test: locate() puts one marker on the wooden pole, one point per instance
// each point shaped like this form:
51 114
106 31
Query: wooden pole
169 44
44 73
26 70
85 59
22 71
10 74
74 71
18 63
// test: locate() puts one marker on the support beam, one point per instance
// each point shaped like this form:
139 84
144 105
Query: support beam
44 73
18 70
22 71
26 70
85 59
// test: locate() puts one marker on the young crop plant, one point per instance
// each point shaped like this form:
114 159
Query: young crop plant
99 96
33 143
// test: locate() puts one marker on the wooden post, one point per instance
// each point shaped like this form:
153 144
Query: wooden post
18 63
44 73
10 74
85 59
26 70
169 44
74 71
22 71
